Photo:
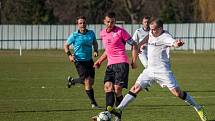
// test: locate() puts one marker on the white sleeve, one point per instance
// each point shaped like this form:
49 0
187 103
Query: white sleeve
169 41
135 37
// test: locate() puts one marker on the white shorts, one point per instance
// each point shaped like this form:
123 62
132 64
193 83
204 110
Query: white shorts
164 79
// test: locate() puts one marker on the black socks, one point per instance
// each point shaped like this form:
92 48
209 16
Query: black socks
132 94
110 99
90 94
118 100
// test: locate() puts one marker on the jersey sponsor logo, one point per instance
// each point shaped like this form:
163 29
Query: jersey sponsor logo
155 44
114 34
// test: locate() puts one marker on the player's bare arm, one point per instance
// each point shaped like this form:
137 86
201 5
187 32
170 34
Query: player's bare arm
134 55
178 43
70 55
95 47
134 49
98 63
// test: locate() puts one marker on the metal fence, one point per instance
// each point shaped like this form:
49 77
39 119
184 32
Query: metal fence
198 36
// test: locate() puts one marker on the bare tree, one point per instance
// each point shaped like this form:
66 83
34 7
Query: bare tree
133 7
97 9
206 10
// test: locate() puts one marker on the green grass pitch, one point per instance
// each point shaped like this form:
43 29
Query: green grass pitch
33 88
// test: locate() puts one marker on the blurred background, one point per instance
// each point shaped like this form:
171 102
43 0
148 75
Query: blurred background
45 24
130 11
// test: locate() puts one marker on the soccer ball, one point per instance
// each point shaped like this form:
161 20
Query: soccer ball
104 116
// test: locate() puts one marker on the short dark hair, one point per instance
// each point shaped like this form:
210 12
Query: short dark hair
158 21
147 17
110 15
80 17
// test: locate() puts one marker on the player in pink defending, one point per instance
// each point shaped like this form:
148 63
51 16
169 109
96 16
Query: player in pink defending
158 71
114 40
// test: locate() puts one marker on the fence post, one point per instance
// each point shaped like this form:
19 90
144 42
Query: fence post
196 34
56 37
211 34
31 36
20 48
194 46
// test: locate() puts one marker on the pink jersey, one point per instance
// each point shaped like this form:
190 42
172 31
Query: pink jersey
114 43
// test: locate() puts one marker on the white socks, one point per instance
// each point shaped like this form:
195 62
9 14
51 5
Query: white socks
126 100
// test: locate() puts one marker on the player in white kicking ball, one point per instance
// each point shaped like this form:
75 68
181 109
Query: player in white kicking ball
158 71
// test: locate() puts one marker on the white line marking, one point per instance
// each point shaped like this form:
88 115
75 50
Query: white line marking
52 99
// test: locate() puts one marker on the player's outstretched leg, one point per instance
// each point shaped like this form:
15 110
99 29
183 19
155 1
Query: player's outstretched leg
201 113
199 109
190 101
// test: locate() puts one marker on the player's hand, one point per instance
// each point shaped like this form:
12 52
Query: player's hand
139 51
141 48
71 58
179 43
133 65
95 54
97 64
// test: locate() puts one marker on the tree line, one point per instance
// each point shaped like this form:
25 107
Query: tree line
129 11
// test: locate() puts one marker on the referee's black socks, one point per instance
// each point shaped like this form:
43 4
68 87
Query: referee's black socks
90 94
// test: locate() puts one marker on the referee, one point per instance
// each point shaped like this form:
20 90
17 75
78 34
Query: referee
82 41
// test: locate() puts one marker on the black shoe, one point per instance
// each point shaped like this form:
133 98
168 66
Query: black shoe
70 81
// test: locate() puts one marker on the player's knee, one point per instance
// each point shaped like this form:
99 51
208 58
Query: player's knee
91 81
136 89
177 92
181 95
108 87
118 91
87 83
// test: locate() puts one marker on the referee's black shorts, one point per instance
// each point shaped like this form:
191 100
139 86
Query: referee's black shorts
85 69
117 74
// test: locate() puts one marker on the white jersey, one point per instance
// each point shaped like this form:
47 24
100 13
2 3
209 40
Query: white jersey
139 35
158 52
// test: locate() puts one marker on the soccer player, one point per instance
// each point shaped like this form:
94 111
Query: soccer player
158 70
82 41
138 36
114 40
